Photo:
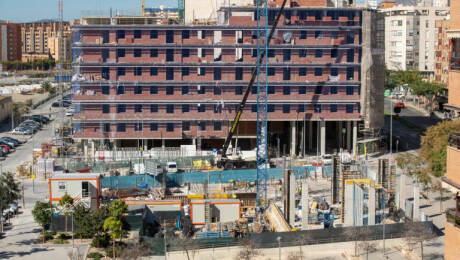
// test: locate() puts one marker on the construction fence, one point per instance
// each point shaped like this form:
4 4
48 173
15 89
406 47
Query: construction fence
288 239
212 177
106 164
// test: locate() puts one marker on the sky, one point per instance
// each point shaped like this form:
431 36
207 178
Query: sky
33 10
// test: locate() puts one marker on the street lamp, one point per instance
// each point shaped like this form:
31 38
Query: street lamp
164 237
279 247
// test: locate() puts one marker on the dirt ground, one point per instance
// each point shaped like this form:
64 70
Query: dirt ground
18 98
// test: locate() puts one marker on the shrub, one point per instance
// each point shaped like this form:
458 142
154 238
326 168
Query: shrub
63 236
60 241
49 235
101 241
95 255
118 248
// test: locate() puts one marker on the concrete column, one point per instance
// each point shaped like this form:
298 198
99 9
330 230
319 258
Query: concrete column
292 192
293 137
371 206
323 137
355 136
85 148
359 206
310 135
349 205
348 135
305 204
402 192
416 216
339 132
93 150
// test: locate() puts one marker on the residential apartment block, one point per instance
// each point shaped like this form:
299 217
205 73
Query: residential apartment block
454 71
452 177
411 37
180 84
10 42
442 52
40 40
452 182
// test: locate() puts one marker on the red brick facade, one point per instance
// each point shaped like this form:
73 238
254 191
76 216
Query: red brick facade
13 43
145 75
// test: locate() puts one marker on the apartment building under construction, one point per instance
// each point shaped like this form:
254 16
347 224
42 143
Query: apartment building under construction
137 83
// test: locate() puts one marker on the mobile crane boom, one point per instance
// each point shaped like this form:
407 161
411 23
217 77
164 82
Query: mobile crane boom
236 120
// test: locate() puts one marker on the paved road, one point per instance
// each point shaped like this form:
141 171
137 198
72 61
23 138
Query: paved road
410 139
19 238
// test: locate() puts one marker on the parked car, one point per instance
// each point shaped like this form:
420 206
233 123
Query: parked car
8 145
5 148
10 211
327 159
69 112
31 123
400 105
61 103
2 154
11 139
13 144
35 118
22 130
42 118
67 97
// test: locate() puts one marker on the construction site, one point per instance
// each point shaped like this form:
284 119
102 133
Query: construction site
242 159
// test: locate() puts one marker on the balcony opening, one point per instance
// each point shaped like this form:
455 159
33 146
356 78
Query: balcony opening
455 59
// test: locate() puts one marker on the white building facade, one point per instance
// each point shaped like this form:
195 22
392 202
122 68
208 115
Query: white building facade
411 37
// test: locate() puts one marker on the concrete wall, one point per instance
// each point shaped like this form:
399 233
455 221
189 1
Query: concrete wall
451 238
197 213
454 88
453 164
372 74
5 107
228 211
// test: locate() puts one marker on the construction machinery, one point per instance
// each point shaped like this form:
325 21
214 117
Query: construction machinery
229 159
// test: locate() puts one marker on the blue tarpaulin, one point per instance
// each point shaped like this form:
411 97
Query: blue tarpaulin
224 176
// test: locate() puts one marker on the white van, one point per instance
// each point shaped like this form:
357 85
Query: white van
171 166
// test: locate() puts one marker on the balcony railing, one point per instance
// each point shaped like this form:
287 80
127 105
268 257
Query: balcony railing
453 217
454 140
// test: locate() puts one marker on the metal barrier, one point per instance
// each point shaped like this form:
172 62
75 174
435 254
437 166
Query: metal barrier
288 239
213 177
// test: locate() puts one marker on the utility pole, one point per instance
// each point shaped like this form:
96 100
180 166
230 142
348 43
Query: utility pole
23 202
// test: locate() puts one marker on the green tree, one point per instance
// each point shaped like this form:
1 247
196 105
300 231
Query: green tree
10 192
46 86
66 203
114 225
434 146
42 213
117 208
90 222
